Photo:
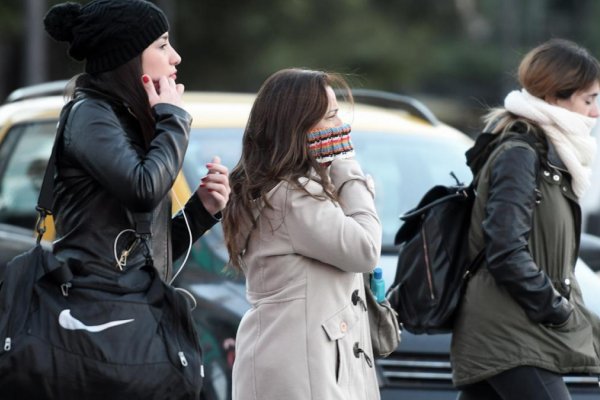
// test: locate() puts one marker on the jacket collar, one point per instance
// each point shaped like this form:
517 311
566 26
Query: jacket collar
553 158
94 93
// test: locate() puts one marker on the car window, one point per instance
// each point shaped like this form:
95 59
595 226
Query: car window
24 154
207 143
403 166
210 252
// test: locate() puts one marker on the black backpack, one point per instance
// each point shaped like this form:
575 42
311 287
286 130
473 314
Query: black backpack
433 260
433 263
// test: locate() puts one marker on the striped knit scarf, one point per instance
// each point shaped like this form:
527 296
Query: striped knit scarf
327 144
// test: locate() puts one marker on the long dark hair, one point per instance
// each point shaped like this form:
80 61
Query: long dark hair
124 84
274 146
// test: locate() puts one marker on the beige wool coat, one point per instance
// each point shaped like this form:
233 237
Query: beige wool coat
304 337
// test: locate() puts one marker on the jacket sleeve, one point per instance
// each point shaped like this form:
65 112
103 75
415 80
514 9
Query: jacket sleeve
138 178
199 220
346 235
507 225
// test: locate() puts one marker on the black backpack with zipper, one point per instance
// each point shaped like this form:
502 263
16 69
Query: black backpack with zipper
433 260
433 263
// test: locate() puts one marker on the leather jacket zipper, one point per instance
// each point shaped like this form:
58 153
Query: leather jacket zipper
125 253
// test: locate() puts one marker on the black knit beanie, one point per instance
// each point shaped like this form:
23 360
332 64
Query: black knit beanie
106 33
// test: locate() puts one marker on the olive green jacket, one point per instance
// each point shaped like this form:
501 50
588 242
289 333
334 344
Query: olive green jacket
496 329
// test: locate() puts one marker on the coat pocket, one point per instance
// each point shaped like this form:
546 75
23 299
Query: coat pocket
338 328
573 323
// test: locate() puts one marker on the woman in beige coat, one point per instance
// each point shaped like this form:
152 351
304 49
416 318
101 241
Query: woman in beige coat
301 225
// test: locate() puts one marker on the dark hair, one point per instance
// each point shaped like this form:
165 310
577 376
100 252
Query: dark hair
124 84
275 144
558 68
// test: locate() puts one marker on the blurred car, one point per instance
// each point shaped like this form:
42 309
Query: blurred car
398 141
590 206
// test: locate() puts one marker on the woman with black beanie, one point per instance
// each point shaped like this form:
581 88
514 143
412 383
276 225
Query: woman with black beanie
120 147
125 140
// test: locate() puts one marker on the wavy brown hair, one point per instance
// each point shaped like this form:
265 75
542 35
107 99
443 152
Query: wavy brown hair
275 146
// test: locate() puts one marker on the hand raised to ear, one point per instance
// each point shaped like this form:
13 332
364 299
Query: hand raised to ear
168 91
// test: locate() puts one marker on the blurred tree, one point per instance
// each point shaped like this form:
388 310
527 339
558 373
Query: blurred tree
11 45
35 48
459 52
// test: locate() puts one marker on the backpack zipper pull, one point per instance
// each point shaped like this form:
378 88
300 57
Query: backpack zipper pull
64 288
182 359
7 344
123 259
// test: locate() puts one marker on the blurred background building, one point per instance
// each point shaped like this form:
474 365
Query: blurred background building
457 56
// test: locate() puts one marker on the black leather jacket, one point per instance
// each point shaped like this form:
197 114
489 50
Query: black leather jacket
105 175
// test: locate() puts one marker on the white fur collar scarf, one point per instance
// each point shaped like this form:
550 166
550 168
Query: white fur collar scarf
568 131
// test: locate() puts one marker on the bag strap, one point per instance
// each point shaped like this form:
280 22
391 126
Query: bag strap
530 140
461 193
46 196
143 221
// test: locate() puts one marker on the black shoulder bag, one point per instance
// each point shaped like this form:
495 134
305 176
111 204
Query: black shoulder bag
69 333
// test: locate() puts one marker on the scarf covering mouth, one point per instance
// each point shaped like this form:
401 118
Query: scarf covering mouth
568 131
330 143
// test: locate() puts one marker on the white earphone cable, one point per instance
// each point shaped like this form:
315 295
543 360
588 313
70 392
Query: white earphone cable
121 261
187 224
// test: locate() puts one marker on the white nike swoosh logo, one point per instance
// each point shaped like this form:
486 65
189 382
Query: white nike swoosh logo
67 321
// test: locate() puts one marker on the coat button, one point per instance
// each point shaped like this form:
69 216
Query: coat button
343 326
356 350
546 173
564 188
556 178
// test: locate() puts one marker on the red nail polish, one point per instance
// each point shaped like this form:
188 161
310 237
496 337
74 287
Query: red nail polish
202 185
145 79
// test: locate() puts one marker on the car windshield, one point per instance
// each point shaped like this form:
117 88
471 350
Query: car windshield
402 165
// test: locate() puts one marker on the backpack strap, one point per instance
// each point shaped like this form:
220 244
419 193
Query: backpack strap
488 145
528 139
143 221
494 149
